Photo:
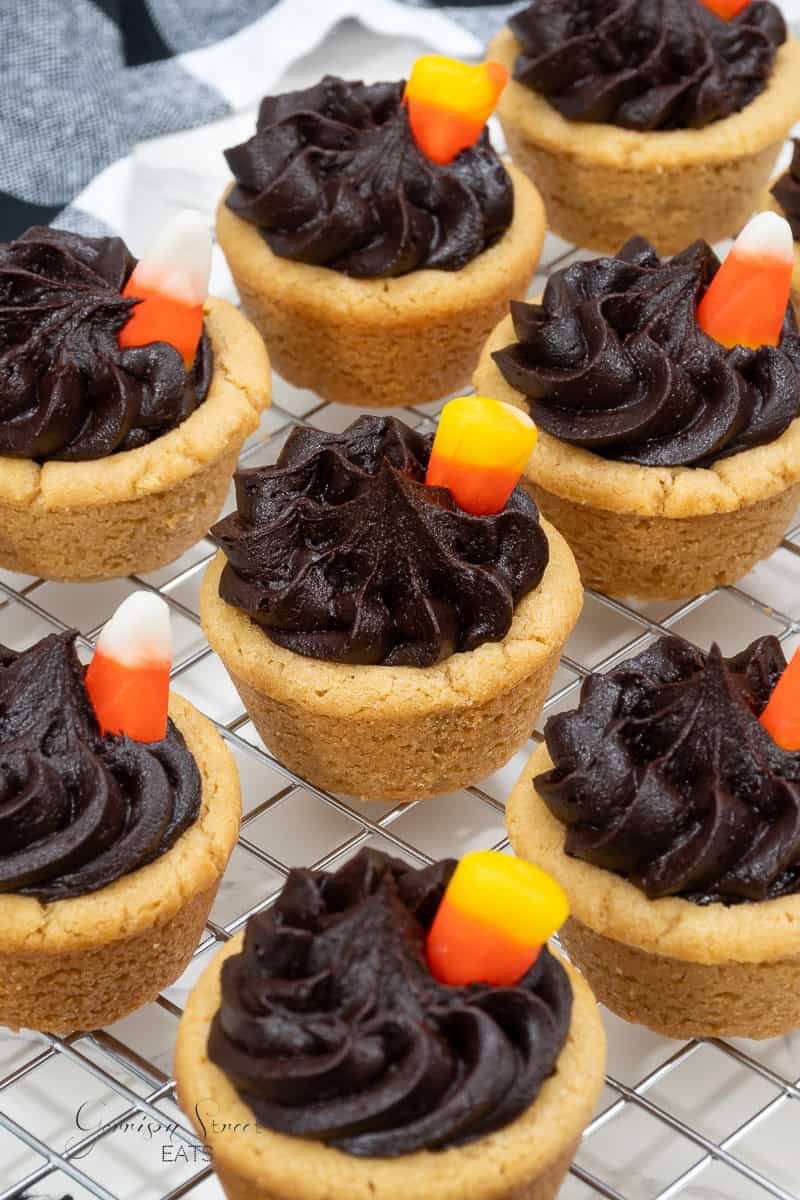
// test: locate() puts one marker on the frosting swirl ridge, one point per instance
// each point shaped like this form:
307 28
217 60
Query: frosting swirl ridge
331 1026
78 810
341 552
613 360
67 390
665 775
333 177
787 192
646 64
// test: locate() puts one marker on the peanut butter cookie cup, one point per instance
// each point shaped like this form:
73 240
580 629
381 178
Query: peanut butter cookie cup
372 273
111 852
635 118
669 815
112 461
670 464
476 1093
386 643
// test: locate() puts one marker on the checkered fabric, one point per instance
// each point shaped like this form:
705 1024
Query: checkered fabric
84 80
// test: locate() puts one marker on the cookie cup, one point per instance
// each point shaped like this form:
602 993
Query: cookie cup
770 204
602 184
526 1160
138 509
79 964
657 532
382 342
682 969
400 733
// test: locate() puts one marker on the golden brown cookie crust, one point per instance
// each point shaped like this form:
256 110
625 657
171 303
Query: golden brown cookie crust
83 962
400 733
603 184
138 509
264 1165
673 492
657 532
611 906
765 120
382 342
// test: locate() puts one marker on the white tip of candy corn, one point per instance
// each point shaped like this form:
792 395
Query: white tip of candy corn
767 235
178 262
139 632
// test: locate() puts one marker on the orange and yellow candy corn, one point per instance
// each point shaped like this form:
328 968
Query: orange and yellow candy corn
745 304
171 281
493 920
128 678
479 452
727 9
449 103
781 717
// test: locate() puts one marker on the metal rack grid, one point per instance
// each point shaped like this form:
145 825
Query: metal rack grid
722 1130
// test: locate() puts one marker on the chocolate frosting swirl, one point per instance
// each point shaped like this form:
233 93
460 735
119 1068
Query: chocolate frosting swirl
613 360
67 391
78 810
665 775
333 177
787 192
646 64
341 552
331 1026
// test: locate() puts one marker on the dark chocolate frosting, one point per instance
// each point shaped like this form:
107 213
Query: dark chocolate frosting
78 810
613 360
333 177
646 64
67 391
332 1027
341 552
665 774
787 192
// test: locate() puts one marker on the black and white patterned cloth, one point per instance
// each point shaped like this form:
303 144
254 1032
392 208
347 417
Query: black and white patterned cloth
82 81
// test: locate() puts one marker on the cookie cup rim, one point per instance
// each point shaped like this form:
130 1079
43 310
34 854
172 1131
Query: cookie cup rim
238 392
419 296
674 493
287 1166
610 905
765 120
542 622
153 894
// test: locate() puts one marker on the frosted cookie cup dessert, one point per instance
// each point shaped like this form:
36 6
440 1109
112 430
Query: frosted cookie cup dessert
386 643
319 1057
113 461
670 463
655 119
669 815
784 198
372 273
111 849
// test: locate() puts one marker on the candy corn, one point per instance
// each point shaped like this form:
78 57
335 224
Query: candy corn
781 717
745 304
726 8
449 103
171 281
494 918
480 449
128 678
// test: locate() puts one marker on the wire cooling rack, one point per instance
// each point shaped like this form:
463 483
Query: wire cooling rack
93 1115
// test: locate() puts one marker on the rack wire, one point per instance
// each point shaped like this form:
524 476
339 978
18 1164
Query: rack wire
94 1115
